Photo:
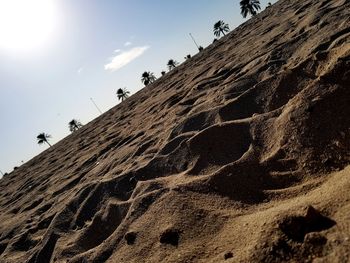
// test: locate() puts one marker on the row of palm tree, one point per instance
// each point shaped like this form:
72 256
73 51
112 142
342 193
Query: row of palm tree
122 94
148 77
73 126
247 7
220 27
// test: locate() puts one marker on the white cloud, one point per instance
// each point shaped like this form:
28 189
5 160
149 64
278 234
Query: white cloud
80 70
125 58
126 44
117 51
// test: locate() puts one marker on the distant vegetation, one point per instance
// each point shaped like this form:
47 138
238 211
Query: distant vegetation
249 7
74 125
220 27
148 77
172 64
43 137
122 94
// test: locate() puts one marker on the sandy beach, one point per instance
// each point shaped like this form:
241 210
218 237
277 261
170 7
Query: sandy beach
239 154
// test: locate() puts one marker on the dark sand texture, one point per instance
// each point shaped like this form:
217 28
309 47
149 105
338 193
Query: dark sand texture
240 154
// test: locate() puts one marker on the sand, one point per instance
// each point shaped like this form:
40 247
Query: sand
240 154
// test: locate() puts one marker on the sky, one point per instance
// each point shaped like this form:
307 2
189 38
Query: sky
55 55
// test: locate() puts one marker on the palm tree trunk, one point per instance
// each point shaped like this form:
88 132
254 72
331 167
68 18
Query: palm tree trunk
222 31
48 143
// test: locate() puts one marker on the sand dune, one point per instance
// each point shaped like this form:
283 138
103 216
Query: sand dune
240 154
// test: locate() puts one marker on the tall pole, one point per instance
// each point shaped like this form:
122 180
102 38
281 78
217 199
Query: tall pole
1 173
194 41
96 105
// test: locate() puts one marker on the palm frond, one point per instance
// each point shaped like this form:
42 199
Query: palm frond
43 137
220 27
249 7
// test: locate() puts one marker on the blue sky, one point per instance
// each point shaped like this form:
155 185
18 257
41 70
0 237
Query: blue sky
44 87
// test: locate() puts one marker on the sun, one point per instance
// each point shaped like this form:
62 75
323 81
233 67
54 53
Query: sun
26 24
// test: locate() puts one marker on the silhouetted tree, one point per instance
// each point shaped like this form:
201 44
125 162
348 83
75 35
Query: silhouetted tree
188 56
43 137
220 27
122 94
163 73
249 7
200 48
172 64
269 4
148 77
74 125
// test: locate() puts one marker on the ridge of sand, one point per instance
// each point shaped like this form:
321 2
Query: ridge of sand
240 154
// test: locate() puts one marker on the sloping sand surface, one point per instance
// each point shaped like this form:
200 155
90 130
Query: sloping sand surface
240 154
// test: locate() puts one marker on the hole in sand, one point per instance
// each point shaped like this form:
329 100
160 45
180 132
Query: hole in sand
228 255
170 236
130 238
297 227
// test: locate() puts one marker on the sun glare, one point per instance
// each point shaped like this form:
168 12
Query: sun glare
26 24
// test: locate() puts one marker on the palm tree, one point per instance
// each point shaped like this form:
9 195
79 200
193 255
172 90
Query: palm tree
249 7
43 137
188 56
74 125
220 27
148 77
122 94
163 73
172 64
200 48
